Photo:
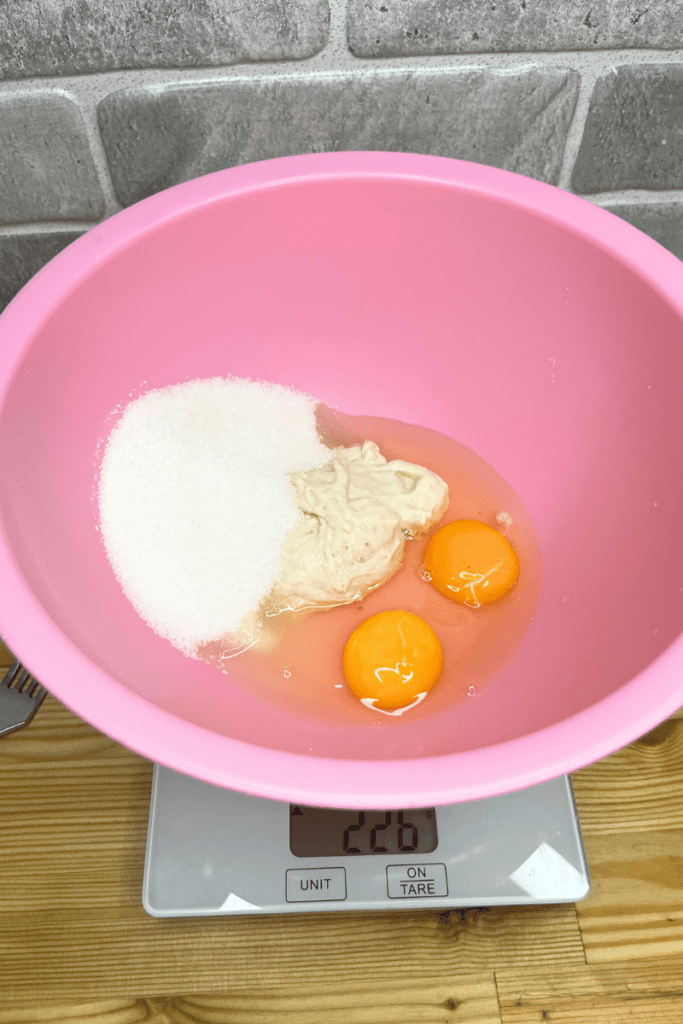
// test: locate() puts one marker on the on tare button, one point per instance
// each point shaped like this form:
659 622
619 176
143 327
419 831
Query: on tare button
307 885
416 881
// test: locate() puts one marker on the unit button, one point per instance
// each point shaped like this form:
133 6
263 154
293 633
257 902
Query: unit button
416 881
306 885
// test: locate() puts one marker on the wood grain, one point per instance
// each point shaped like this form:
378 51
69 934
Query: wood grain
650 992
471 999
635 909
465 999
123 953
631 813
98 1011
636 789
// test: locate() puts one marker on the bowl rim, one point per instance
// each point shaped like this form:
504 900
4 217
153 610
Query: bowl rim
604 727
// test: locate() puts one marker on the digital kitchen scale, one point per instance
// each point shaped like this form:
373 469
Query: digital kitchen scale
213 851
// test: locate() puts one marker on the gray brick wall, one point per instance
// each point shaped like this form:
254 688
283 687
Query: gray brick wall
518 121
399 28
46 168
53 37
105 102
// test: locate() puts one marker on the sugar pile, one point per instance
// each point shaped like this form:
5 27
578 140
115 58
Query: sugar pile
196 503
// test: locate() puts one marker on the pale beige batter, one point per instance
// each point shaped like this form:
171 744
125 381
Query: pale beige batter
357 513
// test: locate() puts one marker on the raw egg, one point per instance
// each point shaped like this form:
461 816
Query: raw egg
392 660
471 563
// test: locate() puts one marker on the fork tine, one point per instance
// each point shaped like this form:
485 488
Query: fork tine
21 696
33 689
23 681
20 679
15 669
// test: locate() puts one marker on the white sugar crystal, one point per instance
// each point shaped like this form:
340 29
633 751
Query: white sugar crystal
196 503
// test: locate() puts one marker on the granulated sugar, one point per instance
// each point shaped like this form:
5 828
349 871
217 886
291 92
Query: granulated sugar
196 503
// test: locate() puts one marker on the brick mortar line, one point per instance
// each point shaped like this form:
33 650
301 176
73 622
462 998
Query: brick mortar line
336 40
635 197
52 227
587 80
96 85
111 203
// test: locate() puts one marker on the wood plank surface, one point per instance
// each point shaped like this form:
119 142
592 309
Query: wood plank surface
637 789
467 999
650 991
76 944
631 811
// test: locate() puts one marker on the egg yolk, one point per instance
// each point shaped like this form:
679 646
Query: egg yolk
392 659
471 563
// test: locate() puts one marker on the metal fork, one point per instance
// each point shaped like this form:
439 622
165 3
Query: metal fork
20 697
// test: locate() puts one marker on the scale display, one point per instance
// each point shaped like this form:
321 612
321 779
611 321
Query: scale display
214 851
323 832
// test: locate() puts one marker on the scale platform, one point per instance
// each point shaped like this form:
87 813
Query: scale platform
212 851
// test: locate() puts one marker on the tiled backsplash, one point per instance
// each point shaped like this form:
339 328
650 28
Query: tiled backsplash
104 102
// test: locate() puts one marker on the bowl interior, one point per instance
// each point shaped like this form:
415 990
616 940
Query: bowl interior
544 352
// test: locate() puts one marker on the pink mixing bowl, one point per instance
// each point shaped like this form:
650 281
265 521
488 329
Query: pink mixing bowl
535 328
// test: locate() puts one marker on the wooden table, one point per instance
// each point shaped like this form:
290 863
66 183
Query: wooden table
76 945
